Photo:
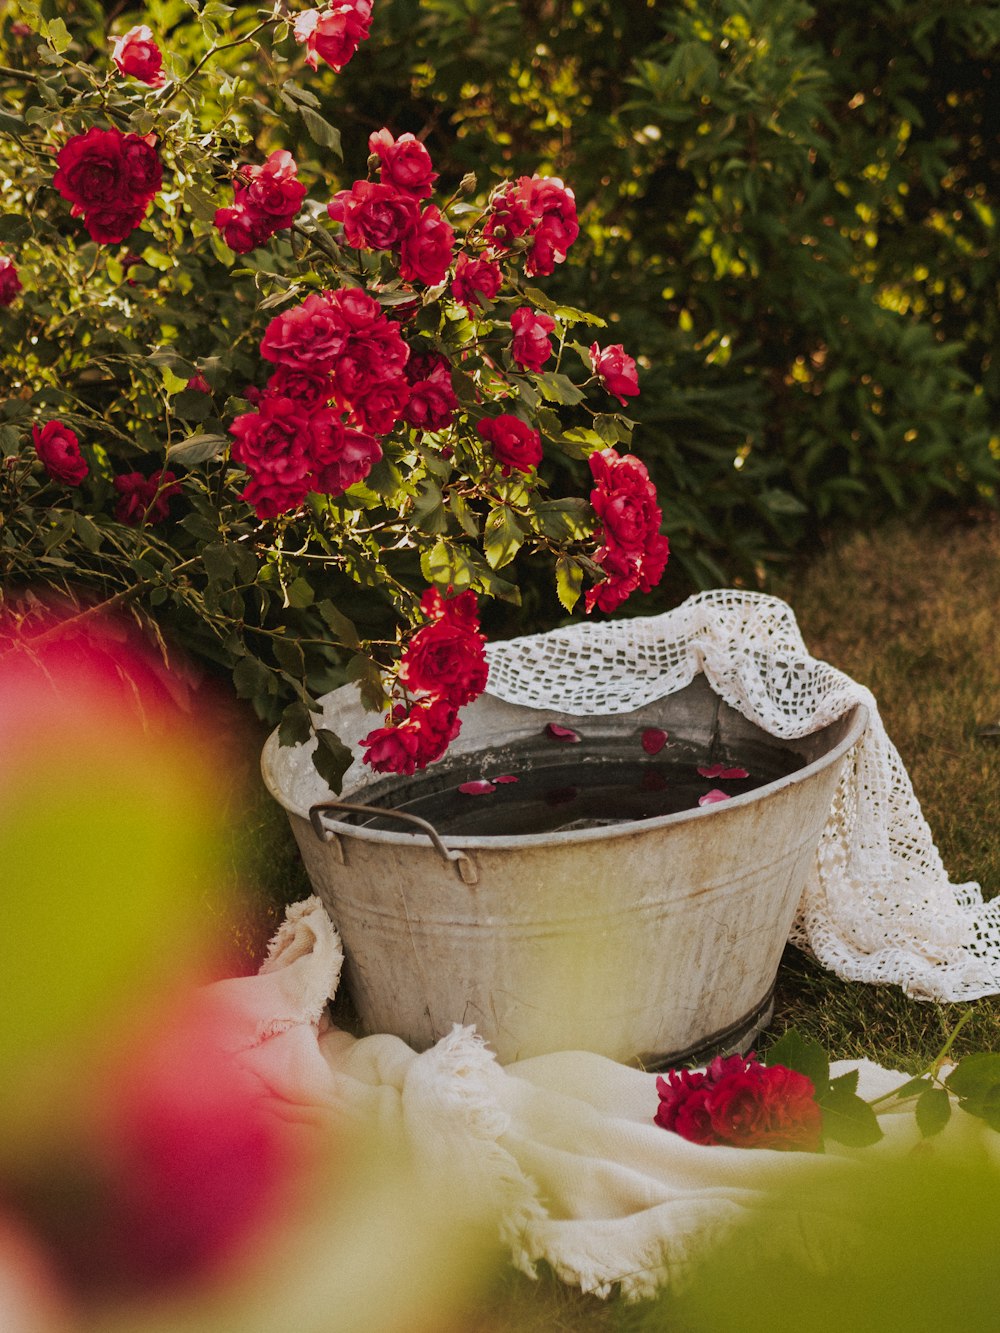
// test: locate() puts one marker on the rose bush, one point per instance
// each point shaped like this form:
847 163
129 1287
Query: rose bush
301 425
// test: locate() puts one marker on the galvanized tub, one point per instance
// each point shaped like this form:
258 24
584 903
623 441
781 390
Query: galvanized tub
645 941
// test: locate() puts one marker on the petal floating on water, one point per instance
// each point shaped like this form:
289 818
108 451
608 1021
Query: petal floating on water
478 787
712 797
557 733
653 740
507 777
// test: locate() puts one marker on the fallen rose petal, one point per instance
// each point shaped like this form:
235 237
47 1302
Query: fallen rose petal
711 797
653 740
721 771
507 777
478 787
558 733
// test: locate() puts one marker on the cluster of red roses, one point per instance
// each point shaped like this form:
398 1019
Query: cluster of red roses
266 200
387 214
445 666
110 178
141 499
334 348
633 551
333 34
742 1103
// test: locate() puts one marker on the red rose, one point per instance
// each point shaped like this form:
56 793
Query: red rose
240 230
432 402
445 659
425 254
476 281
405 163
741 1103
625 500
370 359
137 55
59 450
270 497
531 347
110 179
460 609
273 189
516 446
375 217
415 740
431 405
310 336
144 499
10 283
382 407
334 34
267 198
340 456
634 551
393 749
302 386
274 440
537 206
616 371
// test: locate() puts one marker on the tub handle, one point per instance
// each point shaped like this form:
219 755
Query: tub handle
464 864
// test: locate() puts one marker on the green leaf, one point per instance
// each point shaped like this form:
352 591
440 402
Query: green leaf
975 1075
196 449
782 502
569 581
559 389
192 404
933 1111
447 565
331 759
803 1054
848 1119
344 629
295 726
219 561
563 520
299 593
467 517
429 514
253 679
320 130
911 1088
58 35
88 532
289 656
14 227
502 538
366 673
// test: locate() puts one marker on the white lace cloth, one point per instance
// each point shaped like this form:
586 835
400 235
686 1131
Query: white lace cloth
560 1149
879 906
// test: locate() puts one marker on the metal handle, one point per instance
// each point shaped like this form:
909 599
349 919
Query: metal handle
464 864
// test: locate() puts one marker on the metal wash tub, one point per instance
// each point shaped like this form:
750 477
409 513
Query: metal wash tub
645 941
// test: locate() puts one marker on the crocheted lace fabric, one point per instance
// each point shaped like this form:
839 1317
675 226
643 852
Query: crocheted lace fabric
879 906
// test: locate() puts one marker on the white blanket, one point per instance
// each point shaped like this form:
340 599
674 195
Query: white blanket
563 1146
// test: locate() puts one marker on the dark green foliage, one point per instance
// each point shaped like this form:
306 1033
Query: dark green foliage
790 213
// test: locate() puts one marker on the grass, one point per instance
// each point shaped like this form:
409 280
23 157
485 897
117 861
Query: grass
912 614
